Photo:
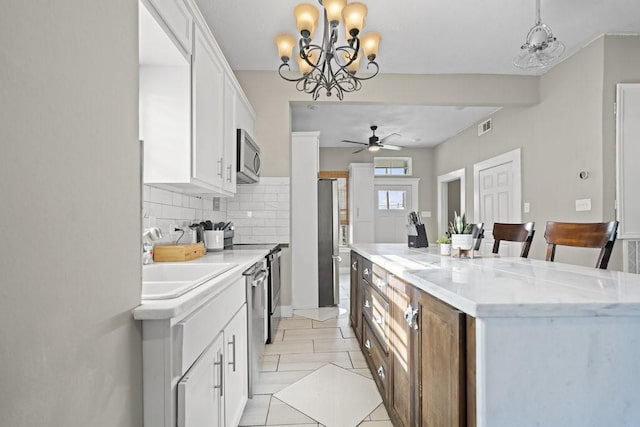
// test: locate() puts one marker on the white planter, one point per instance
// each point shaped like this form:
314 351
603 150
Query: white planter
445 248
462 241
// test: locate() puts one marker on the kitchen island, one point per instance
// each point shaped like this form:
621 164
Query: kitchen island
545 344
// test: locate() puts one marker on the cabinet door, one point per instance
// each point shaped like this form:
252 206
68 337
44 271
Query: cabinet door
244 115
355 298
441 360
207 105
236 367
402 383
230 138
177 18
201 390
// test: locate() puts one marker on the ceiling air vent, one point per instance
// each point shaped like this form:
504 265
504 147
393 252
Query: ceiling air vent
485 127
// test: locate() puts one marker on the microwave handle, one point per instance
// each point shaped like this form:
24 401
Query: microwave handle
256 163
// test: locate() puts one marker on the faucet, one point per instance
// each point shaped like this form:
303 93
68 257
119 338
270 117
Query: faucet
149 235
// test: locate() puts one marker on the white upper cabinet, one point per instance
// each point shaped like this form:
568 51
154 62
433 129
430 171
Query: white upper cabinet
190 102
229 137
175 15
207 87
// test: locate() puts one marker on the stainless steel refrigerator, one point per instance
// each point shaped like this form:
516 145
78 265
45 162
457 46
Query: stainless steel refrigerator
328 235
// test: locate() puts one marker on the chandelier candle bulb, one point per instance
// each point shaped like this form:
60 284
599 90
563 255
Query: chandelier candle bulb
285 43
353 16
306 19
370 43
334 10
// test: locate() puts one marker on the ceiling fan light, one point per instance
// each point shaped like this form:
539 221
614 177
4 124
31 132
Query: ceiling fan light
334 10
353 15
370 43
374 148
285 43
306 16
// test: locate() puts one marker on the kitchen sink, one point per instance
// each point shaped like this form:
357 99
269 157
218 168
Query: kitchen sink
170 280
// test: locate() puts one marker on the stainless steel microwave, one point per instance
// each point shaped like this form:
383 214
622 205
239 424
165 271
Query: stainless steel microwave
248 159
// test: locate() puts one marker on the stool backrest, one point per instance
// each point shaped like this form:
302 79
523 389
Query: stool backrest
513 233
585 235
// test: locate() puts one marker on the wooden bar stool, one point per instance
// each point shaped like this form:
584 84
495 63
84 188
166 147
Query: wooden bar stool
586 235
513 233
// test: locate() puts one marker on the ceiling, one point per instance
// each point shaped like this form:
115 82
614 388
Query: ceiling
418 37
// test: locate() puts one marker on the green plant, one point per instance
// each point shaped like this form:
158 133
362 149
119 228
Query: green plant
444 240
459 225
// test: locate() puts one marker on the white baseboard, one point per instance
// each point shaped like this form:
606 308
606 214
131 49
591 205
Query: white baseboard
286 311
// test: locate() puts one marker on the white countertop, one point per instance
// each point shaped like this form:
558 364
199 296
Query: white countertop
493 286
176 307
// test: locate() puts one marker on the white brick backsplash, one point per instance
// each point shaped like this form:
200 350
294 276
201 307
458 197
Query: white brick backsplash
268 202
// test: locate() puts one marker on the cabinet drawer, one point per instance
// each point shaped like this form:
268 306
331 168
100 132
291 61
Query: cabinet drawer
376 310
197 330
377 359
367 270
380 280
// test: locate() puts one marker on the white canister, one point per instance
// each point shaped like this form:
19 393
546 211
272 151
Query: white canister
214 240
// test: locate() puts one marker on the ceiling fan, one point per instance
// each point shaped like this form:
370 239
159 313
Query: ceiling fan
375 143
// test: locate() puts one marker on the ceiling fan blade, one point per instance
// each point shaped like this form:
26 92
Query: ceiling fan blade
354 142
357 151
391 147
389 136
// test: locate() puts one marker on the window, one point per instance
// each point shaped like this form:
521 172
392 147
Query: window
392 200
392 166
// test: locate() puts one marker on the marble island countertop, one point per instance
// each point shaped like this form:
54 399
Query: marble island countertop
494 286
174 308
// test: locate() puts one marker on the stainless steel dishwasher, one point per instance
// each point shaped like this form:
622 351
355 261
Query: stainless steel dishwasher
257 311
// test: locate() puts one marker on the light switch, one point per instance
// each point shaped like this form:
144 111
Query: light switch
425 214
583 205
526 208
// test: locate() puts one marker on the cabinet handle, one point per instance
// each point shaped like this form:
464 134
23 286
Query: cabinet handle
220 167
379 320
367 344
229 173
381 372
221 365
365 272
232 343
367 304
354 266
411 316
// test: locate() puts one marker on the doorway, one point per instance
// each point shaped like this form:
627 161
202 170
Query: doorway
394 199
497 196
451 197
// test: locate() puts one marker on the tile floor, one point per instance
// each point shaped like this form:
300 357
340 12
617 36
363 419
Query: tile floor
314 374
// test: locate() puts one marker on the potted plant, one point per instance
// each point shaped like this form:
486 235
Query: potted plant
461 237
445 245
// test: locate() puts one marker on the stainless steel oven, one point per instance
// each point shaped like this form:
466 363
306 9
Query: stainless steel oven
248 161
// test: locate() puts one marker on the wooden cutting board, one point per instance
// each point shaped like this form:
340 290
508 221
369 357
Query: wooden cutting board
173 253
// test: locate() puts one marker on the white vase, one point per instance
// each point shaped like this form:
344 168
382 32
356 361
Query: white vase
462 241
445 248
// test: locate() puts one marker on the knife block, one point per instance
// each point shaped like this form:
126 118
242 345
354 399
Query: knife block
419 240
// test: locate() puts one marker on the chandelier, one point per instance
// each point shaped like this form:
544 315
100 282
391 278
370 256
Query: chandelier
330 67
541 47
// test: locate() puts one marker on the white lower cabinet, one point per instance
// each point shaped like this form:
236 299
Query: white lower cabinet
195 366
201 390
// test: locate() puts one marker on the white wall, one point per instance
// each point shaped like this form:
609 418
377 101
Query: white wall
572 129
70 215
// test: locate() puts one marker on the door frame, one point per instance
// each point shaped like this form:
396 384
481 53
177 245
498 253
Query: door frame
512 157
443 193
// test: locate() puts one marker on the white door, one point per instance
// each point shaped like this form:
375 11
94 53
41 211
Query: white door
393 204
496 194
